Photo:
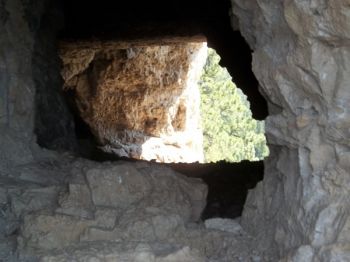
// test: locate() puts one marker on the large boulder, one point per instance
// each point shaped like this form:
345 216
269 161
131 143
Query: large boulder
140 99
120 202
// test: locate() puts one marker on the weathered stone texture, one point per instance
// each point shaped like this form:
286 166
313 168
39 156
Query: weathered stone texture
141 100
120 211
62 209
54 126
140 199
29 80
53 208
16 85
127 252
302 61
17 89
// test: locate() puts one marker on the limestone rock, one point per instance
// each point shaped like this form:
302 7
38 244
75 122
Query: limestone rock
141 100
154 216
76 202
227 225
300 212
32 199
30 98
119 202
127 252
106 217
302 61
118 187
45 231
16 48
14 150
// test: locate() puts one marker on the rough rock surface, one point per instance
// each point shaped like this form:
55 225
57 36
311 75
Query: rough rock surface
140 99
300 212
118 202
65 209
53 207
29 101
302 61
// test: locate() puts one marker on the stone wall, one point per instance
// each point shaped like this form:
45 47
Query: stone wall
17 89
140 98
54 126
302 61
30 81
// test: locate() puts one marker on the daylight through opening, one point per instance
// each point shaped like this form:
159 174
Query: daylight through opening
171 103
168 103
92 59
107 80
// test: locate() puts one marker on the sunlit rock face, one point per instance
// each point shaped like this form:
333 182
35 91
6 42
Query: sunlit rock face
302 61
140 99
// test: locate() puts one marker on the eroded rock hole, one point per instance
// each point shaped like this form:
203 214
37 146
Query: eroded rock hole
228 183
130 100
55 206
168 102
126 96
139 98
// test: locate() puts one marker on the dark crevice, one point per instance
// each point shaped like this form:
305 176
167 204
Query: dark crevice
228 184
53 122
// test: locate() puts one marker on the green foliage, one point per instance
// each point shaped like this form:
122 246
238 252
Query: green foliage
230 133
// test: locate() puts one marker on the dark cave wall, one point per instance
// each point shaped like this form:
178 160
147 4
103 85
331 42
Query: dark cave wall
17 85
54 125
30 102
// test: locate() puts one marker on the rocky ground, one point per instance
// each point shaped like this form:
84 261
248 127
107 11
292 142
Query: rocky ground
62 208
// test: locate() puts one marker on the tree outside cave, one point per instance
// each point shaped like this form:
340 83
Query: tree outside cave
229 130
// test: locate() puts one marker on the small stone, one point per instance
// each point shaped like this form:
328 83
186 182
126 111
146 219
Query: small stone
117 187
76 202
106 217
224 224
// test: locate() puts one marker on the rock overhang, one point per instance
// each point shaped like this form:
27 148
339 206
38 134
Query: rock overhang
139 97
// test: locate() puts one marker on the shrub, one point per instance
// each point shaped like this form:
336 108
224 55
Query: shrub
230 133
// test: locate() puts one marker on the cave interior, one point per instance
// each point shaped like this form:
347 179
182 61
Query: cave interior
129 20
55 202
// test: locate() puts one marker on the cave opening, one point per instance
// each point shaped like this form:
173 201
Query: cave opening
57 206
228 182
